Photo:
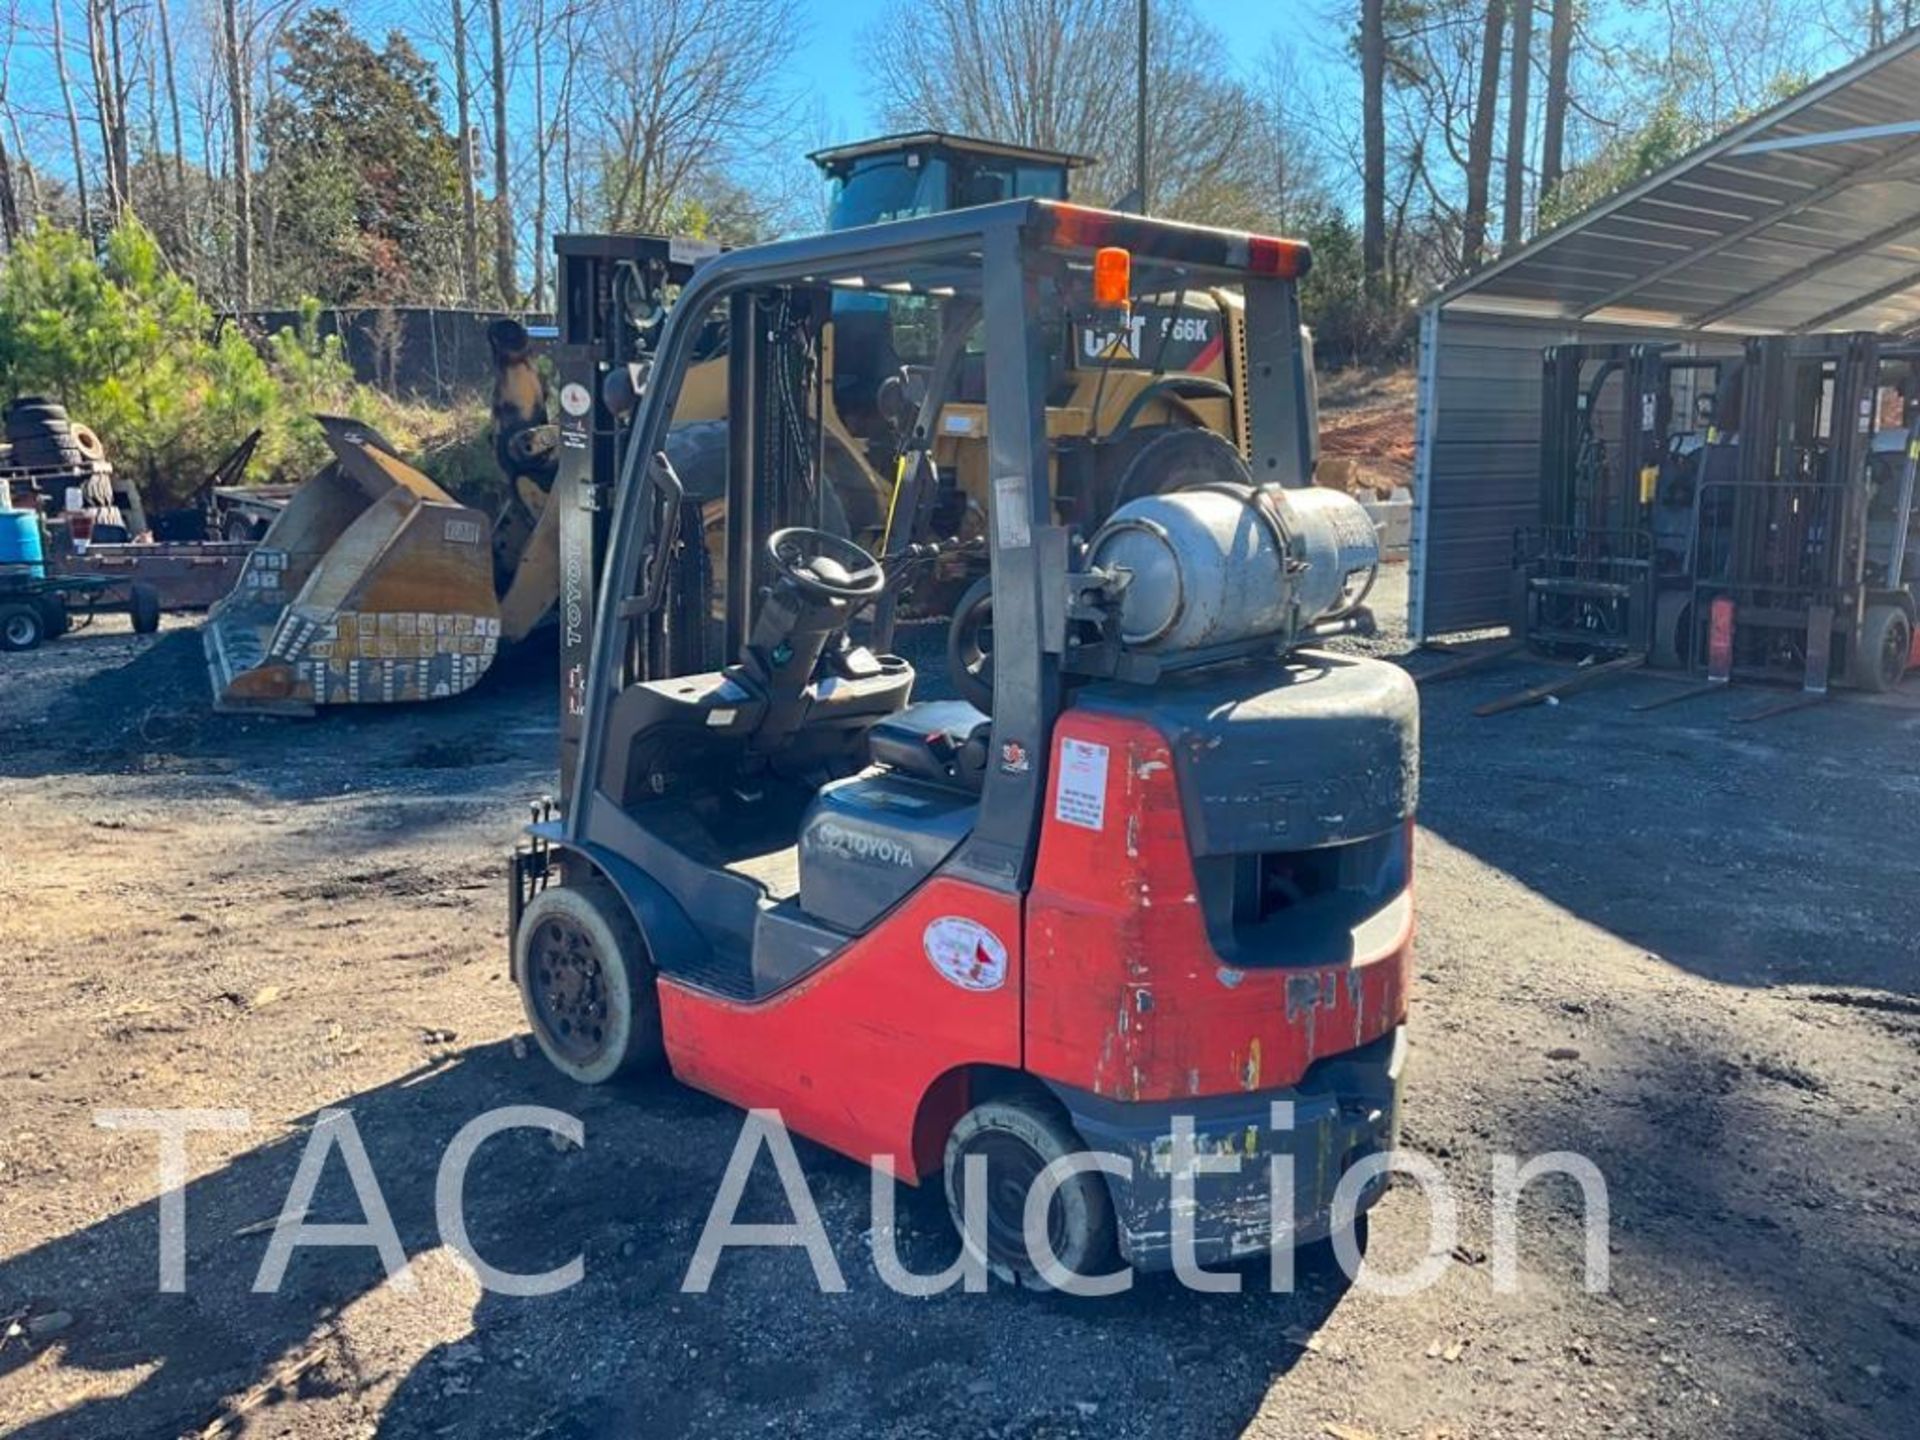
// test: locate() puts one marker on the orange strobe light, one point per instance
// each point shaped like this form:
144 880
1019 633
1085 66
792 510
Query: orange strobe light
1112 278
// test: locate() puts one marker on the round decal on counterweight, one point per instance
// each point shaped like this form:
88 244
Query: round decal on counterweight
966 953
574 399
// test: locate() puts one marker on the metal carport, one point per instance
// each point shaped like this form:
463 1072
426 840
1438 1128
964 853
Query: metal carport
1805 218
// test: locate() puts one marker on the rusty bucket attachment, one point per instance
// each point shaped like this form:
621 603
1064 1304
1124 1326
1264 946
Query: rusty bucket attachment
372 585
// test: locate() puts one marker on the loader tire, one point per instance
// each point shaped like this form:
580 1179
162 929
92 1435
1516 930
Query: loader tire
588 984
1176 459
1673 630
970 646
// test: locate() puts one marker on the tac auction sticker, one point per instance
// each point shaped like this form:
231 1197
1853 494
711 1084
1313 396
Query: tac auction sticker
966 953
574 399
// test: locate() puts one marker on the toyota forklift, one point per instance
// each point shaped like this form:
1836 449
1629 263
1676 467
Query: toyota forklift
1164 878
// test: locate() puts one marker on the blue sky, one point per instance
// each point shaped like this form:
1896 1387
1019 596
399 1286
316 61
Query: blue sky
831 52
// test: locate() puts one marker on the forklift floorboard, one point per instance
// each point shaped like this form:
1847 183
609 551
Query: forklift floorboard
778 871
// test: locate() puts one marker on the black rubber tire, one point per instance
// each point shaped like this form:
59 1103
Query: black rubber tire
698 453
1023 1136
1882 649
611 1031
1673 630
42 450
239 528
969 661
1175 459
143 607
28 420
22 626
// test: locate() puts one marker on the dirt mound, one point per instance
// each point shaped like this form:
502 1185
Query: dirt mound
1366 431
1385 436
158 704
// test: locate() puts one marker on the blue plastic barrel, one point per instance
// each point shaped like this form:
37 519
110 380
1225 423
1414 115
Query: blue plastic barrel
20 543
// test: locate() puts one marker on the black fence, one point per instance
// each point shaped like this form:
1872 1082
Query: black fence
415 352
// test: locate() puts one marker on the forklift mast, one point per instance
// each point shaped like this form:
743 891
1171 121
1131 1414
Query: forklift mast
614 292
1808 537
1622 442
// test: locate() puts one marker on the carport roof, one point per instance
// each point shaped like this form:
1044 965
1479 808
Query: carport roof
1806 217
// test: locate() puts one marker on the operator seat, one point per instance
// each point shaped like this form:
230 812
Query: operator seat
942 742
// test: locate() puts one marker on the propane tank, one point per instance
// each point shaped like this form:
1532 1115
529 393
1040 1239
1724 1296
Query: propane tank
1219 564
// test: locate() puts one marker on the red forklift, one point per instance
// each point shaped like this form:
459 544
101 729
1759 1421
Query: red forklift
1168 875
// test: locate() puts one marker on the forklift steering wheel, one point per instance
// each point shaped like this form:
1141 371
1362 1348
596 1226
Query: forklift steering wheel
825 565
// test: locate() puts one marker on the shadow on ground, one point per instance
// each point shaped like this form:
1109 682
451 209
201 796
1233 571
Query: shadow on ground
153 715
624 1352
1753 854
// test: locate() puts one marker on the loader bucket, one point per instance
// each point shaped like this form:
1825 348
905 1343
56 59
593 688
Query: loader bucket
372 585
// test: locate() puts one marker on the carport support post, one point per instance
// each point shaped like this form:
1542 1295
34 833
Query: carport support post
1425 424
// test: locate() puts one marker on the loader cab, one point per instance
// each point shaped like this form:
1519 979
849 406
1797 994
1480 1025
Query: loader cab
899 177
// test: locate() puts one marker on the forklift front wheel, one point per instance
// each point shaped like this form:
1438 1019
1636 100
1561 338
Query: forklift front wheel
1018 1139
587 984
1886 642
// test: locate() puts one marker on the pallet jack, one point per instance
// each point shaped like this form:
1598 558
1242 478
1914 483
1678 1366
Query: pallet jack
1166 878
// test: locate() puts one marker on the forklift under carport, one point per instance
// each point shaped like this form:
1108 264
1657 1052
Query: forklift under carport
1168 876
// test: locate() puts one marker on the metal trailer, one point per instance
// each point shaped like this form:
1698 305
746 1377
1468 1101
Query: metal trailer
36 608
177 574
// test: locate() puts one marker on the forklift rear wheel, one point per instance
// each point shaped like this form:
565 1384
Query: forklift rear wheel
21 627
143 605
1019 1139
587 984
1882 651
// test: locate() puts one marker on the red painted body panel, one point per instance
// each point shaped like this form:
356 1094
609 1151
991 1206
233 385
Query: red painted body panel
846 1054
1125 995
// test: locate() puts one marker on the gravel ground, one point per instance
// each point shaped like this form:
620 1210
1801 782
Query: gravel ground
1681 946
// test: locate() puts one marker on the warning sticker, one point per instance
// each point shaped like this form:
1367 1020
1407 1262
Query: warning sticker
1010 522
1082 797
966 953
